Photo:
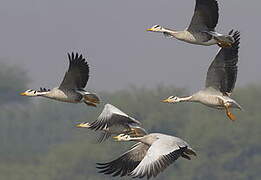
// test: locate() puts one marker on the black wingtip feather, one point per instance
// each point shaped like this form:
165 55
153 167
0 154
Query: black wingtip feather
231 32
77 57
236 36
69 56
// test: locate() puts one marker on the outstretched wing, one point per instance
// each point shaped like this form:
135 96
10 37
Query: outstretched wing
126 163
205 17
158 157
78 73
112 116
222 73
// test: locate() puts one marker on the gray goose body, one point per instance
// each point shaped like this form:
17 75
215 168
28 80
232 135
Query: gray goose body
114 121
151 155
212 98
71 89
65 95
201 30
220 81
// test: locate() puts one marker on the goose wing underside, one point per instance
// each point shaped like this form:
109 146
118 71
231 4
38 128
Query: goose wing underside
205 17
112 117
126 163
78 73
158 157
222 73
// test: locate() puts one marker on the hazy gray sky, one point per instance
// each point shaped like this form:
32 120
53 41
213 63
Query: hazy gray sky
37 34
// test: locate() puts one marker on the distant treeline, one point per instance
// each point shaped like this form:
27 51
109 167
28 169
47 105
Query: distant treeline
39 141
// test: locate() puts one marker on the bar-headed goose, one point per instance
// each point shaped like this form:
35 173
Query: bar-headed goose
72 87
220 81
201 30
113 121
151 155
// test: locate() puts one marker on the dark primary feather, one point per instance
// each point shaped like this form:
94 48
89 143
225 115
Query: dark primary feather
78 73
44 90
114 120
205 16
126 163
222 73
162 163
103 136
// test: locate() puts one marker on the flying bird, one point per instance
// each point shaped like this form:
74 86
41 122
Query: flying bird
220 81
71 89
113 121
151 155
201 30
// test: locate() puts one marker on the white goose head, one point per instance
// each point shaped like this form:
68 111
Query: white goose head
33 93
156 28
29 92
172 99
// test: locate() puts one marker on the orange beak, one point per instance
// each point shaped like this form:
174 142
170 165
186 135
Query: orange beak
166 101
23 94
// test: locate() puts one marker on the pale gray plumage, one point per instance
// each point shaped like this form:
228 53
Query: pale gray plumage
154 153
222 73
205 17
126 163
220 81
72 87
201 30
113 121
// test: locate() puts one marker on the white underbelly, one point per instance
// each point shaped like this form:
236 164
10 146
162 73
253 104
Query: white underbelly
211 101
215 106
194 39
65 97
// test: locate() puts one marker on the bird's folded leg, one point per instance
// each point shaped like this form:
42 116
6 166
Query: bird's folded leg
90 104
223 40
92 98
135 132
229 114
224 44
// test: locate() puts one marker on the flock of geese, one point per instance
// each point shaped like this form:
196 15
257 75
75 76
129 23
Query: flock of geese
153 152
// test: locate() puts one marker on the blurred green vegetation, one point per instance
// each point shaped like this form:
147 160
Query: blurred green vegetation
38 140
12 79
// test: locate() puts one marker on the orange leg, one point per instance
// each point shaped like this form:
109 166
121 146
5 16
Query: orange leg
134 132
224 44
90 104
91 99
229 114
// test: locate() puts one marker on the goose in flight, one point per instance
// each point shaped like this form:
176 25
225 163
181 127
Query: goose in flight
220 81
201 30
72 87
151 155
113 121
